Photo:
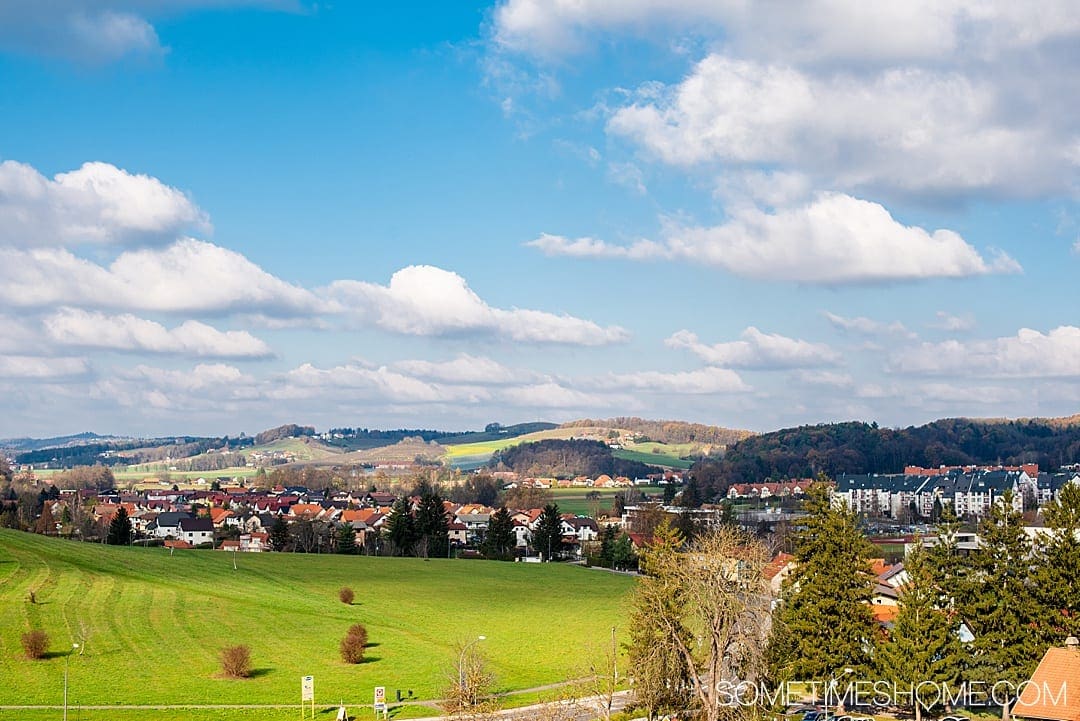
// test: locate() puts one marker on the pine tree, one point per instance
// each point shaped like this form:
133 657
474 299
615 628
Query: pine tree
119 529
346 539
608 536
622 553
998 606
824 621
547 538
279 534
922 644
432 525
401 528
950 575
1057 576
499 539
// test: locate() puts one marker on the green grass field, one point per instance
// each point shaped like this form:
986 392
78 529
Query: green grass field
152 625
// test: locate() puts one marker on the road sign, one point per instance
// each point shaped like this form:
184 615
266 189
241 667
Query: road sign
307 688
380 698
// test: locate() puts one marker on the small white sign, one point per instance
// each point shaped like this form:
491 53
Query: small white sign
380 698
307 688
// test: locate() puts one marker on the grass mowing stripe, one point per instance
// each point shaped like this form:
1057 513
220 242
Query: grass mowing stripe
175 614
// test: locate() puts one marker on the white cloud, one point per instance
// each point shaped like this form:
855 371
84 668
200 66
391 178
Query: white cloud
827 378
463 369
188 276
757 350
38 368
98 203
835 239
906 130
953 323
696 382
97 31
627 175
377 383
70 326
867 326
429 301
813 31
1028 354
552 395
550 244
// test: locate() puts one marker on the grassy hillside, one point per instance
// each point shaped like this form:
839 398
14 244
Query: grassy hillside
152 624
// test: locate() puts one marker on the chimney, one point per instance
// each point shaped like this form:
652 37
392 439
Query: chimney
1072 643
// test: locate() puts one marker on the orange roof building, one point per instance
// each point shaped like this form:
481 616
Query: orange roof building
1054 691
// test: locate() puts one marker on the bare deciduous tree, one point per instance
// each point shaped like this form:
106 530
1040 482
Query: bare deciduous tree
723 621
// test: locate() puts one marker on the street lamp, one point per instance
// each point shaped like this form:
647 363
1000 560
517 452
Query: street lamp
73 647
461 665
832 682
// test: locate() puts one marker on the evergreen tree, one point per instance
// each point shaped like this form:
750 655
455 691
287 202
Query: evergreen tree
824 621
432 525
279 534
922 644
691 495
401 528
950 575
547 538
1057 576
998 606
346 539
669 494
660 673
608 536
119 529
499 539
622 553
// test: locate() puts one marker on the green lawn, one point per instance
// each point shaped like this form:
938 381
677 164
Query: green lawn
668 458
152 624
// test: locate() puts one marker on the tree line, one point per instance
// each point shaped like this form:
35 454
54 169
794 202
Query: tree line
854 447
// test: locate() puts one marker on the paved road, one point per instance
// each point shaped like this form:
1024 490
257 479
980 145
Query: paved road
584 709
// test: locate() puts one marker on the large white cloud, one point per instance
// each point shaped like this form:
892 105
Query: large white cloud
186 277
429 301
98 203
465 368
832 240
126 332
757 350
903 130
813 30
1028 354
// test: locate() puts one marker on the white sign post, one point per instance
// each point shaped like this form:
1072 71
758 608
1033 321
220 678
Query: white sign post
307 693
380 701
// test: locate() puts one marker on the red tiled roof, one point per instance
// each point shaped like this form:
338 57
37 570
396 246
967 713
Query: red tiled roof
1054 691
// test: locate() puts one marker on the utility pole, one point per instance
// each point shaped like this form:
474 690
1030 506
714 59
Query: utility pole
73 647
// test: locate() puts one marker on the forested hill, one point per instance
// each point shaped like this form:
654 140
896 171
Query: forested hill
853 447
667 431
566 459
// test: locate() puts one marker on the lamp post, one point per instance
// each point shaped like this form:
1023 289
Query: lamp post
832 681
461 665
73 647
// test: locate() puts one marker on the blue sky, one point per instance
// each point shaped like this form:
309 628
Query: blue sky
221 215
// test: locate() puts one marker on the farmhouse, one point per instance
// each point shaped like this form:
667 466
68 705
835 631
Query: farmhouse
195 530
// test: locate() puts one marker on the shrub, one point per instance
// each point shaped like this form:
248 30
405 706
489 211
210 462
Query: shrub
236 661
35 643
346 595
354 643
